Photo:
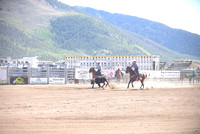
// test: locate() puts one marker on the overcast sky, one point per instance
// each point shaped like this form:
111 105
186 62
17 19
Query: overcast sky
181 14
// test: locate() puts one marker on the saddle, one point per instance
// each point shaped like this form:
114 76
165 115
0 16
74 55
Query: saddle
134 73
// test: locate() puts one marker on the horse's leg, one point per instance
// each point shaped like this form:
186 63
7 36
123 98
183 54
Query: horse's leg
99 85
107 83
142 85
132 83
103 84
92 83
129 83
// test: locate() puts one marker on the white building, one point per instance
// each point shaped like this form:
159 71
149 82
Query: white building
24 62
110 62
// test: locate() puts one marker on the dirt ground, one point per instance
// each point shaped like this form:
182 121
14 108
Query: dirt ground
161 108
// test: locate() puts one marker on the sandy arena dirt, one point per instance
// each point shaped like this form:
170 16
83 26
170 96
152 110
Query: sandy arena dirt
161 108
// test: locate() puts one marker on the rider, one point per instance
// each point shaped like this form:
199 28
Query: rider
118 67
98 67
135 66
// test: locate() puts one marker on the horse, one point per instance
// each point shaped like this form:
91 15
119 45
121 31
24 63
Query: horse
97 79
134 77
118 75
191 76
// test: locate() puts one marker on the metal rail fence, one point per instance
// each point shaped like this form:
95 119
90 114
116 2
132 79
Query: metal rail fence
64 75
43 75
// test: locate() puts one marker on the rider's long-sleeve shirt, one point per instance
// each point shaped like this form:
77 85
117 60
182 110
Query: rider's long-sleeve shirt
134 65
118 67
98 67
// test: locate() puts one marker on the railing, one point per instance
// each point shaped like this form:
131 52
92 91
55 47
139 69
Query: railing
63 75
45 75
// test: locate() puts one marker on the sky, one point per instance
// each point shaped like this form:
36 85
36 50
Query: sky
180 14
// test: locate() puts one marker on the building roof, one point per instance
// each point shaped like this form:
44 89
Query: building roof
179 65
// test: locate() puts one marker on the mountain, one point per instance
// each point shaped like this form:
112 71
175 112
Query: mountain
175 39
24 29
52 30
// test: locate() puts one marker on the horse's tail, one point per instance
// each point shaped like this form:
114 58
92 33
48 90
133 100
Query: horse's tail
142 81
143 75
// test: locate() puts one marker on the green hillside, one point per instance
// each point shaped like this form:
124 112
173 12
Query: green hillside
91 36
24 30
52 30
175 39
94 37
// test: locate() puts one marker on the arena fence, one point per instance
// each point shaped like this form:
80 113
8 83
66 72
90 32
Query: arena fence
3 75
63 75
44 75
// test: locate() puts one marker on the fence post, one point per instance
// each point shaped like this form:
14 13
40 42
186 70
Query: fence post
65 74
8 80
29 74
8 74
48 74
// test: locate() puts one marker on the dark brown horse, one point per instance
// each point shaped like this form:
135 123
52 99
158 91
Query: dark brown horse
97 79
134 77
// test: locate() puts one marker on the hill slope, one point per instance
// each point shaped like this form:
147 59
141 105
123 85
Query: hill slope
175 39
52 30
82 33
24 29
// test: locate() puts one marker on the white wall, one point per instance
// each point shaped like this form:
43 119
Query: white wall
110 62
